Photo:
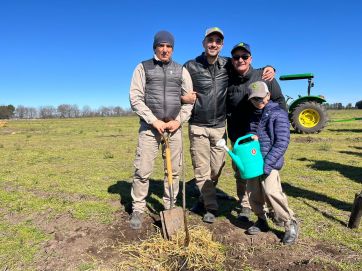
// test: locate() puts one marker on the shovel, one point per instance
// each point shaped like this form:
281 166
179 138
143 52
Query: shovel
172 219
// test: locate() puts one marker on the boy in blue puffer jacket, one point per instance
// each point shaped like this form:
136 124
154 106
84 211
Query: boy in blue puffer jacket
270 124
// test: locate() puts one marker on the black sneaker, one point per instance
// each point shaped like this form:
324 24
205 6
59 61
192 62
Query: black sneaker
136 220
291 232
260 225
198 208
209 217
244 215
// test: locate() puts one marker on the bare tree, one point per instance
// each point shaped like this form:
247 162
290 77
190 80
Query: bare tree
32 112
21 112
75 112
118 111
104 111
47 112
87 111
63 110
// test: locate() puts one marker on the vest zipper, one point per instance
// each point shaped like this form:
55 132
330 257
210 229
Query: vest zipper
164 92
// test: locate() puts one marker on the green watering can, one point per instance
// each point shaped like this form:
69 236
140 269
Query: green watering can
246 155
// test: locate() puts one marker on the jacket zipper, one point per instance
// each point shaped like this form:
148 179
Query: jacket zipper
215 94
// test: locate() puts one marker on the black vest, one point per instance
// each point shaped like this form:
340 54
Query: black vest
210 82
163 88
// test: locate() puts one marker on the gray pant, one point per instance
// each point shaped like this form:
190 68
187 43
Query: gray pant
149 141
268 190
207 160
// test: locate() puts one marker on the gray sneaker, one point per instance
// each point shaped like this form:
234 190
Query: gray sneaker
209 217
136 220
291 232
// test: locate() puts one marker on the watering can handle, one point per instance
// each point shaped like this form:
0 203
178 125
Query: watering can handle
244 139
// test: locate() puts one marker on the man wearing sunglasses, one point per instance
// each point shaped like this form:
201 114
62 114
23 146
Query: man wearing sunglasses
210 75
239 109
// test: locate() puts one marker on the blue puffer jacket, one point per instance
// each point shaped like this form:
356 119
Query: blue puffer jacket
272 127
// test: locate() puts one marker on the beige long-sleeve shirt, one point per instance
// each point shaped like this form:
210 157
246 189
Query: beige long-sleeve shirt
137 96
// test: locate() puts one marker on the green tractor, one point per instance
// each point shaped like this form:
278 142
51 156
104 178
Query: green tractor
306 113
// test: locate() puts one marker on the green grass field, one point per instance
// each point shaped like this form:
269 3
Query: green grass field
52 167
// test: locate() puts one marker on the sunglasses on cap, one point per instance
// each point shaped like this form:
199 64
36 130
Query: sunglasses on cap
243 57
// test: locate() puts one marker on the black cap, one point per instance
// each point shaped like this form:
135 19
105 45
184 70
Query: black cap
241 45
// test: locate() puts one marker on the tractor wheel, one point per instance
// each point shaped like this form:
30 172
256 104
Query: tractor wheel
309 118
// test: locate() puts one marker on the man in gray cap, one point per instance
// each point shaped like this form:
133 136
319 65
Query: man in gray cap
156 88
210 75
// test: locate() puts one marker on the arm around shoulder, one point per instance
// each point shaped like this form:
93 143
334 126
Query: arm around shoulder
188 96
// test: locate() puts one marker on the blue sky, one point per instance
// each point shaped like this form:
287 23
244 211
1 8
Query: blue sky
84 51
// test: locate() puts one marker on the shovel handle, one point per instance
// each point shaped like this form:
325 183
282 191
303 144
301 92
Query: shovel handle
169 166
165 137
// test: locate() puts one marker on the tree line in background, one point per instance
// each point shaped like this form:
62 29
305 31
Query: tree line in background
61 111
73 111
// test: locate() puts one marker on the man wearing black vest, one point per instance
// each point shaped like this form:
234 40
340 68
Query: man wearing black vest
210 74
156 87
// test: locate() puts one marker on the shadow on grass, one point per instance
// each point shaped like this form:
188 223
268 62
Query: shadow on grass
346 130
298 192
325 214
123 189
350 172
226 202
352 153
155 194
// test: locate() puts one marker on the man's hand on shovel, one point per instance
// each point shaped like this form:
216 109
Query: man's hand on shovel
172 126
159 125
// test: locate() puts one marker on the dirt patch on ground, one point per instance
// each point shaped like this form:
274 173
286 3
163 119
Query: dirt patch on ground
308 139
75 242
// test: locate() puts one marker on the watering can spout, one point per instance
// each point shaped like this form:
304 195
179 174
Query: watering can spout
235 158
246 155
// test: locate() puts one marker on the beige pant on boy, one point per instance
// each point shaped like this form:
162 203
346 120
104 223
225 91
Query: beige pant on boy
269 190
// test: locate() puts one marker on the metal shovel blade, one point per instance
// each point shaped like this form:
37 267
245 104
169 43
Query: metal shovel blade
172 220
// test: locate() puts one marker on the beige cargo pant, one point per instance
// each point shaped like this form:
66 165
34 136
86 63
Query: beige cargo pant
149 141
268 189
207 160
240 187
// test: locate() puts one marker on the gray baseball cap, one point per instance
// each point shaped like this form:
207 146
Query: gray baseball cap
258 89
216 30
